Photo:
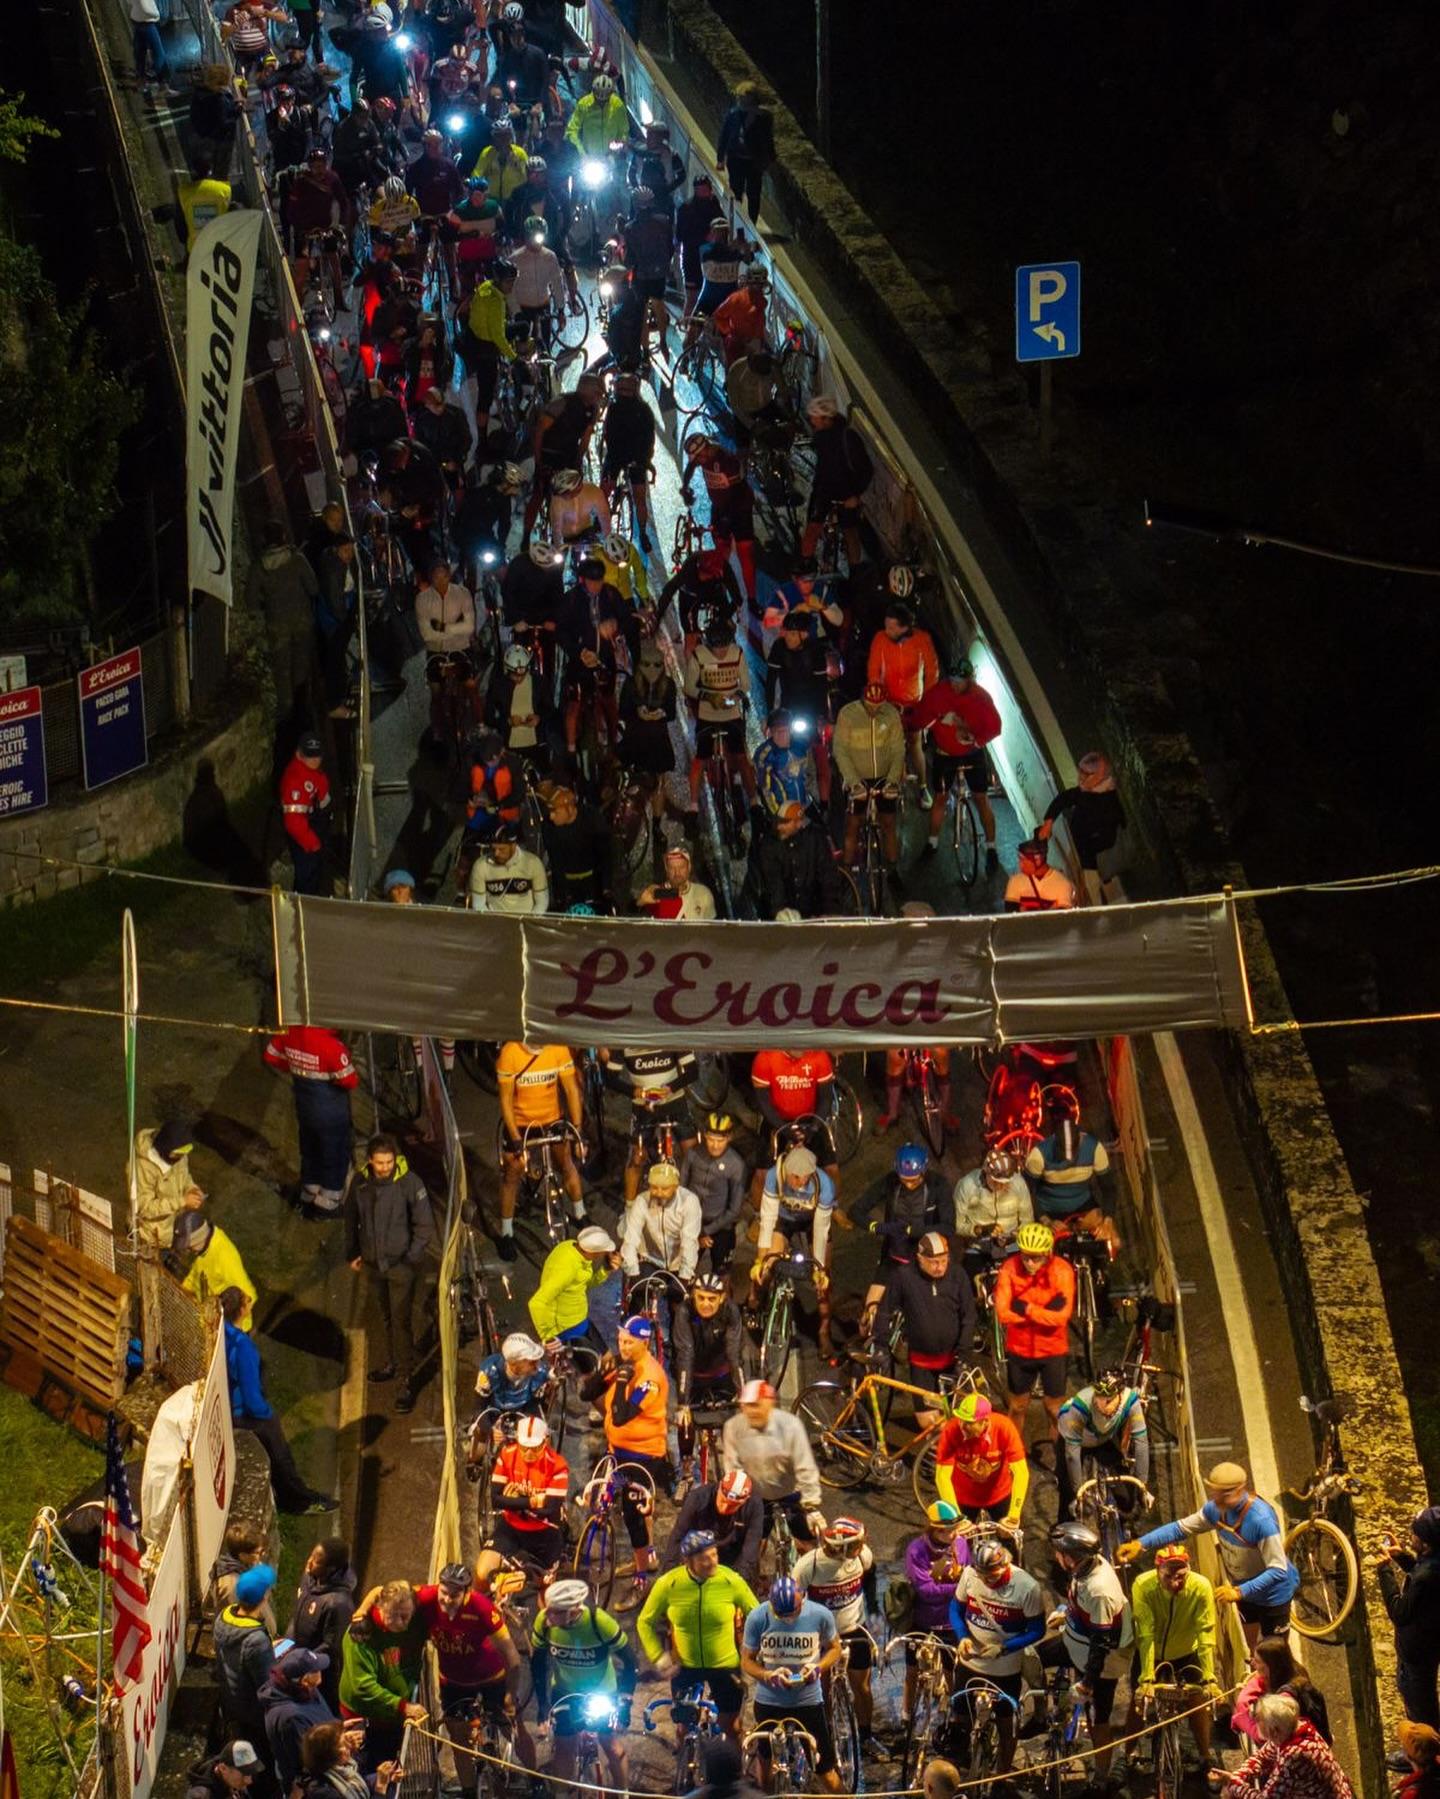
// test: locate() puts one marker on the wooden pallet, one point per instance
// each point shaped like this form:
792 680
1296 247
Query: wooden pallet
66 1312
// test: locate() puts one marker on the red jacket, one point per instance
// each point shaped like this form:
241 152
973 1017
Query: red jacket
310 1054
1036 1331
906 668
961 719
303 793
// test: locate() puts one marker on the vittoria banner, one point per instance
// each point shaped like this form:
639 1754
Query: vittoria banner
217 323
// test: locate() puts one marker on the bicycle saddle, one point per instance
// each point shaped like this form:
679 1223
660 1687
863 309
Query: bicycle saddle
1334 1410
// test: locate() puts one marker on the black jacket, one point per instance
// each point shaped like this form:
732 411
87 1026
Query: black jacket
707 1343
737 1534
747 139
1413 1602
906 1213
796 872
289 1713
322 1612
388 1222
797 678
939 1314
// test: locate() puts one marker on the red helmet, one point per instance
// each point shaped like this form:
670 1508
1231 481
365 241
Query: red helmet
874 692
737 1486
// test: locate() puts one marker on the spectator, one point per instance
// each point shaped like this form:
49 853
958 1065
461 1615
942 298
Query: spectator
328 1758
241 1547
1273 1669
245 1652
1420 1746
1095 815
1293 1760
214 115
747 145
231 1771
939 1780
324 1602
388 1228
160 1175
252 1411
214 1261
305 813
723 1766
1410 1584
292 1705
335 615
322 1078
152 69
382 1660
201 199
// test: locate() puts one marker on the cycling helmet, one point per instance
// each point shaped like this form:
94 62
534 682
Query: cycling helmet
532 1433
502 127
720 1124
719 630
784 1595
517 659
999 1166
513 13
901 581
964 670
1172 1552
566 1595
565 480
589 567
737 1486
843 1534
455 1574
616 547
991 1555
477 184
581 910
644 196
510 477
789 915
500 270
1072 1537
504 832
722 225
538 166
394 188
1109 1384
941 1511
820 408
875 693
972 1408
398 877
911 1161
755 276
1035 1239
696 1542
536 229
545 555
383 108
602 87
657 128
696 444
709 1283
521 1347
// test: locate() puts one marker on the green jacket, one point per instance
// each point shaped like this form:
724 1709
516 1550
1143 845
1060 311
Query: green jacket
379 1668
701 1615
567 1280
1174 1627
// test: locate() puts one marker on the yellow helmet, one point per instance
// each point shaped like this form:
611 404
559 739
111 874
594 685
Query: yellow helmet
1035 1239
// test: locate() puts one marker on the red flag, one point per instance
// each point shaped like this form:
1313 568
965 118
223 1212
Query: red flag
120 1560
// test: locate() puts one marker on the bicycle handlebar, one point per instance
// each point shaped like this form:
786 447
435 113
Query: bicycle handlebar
1116 1480
979 1685
773 1727
691 1697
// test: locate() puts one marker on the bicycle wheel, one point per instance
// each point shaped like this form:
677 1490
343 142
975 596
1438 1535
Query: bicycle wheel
926 1100
1329 1577
557 1411
478 1061
845 1727
966 835
847 1123
842 1433
1169 1763
922 1476
400 1093
595 1558
1085 1316
775 1337
694 383
572 330
923 1729
688 1772
984 1753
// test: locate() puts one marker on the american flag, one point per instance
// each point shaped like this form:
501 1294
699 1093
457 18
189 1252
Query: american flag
120 1559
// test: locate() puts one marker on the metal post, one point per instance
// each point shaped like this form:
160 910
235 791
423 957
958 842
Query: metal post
822 76
1047 421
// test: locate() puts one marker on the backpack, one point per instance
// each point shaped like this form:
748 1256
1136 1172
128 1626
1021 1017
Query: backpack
899 1604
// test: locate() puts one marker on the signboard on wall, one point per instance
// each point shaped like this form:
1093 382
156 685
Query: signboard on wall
112 719
145 1704
212 1460
23 783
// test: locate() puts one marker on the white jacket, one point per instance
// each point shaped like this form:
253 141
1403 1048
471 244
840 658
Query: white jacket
446 621
668 1235
979 1209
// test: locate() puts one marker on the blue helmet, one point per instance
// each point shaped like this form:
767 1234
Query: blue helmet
911 1160
784 1595
696 1542
580 910
399 877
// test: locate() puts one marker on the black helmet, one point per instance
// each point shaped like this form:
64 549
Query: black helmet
719 629
710 1283
501 270
1072 1537
1110 1383
455 1574
505 832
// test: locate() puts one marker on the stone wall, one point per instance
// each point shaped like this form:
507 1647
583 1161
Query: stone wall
135 816
1314 1216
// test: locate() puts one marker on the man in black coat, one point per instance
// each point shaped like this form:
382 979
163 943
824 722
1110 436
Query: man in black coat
388 1228
792 868
1410 1584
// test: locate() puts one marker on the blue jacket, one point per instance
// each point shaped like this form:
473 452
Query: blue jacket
247 1390
508 1395
289 1714
1252 1547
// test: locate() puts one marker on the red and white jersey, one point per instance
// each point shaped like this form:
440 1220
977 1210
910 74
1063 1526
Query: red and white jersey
303 793
717 681
995 1615
310 1054
837 1582
546 1474
794 1079
1095 1603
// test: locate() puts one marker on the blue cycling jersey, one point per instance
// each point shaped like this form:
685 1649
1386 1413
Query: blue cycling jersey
493 1383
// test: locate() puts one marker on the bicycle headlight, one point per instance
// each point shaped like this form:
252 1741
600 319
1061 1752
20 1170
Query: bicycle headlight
798 1257
404 41
489 558
456 122
323 334
599 1708
607 291
801 727
594 173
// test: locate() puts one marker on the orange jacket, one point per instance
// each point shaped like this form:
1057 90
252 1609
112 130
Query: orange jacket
643 1431
1037 1331
907 669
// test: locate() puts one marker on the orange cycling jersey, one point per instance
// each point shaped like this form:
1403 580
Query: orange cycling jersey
792 1080
980 1465
904 667
534 1077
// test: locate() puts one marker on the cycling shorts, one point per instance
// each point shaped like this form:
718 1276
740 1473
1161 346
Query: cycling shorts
975 767
1274 1620
649 287
728 733
464 1701
1021 1373
862 1649
727 1687
544 1547
813 1718
1183 1672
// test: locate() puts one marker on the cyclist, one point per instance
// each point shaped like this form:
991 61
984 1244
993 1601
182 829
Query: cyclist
484 342
495 785
578 509
561 440
723 256
539 283
731 1510
799 597
791 1641
628 448
933 1562
678 896
1095 816
704 586
914 1201
514 1380
903 661
792 867
1096 1630
708 1336
534 1086
980 1464
662 1228
1105 1420
797 1198
475 1652
1174 1612
781 766
961 719
992 1201
1034 1299
633 1393
560 1306
895 1084
739 320
577 847
797 677
599 120
520 705
936 1299
657 1079
843 471
998 1611
1063 1166
732 503
580 1649
445 615
692 228
530 1482
794 1085
716 678
507 878
714 1170
773 1448
502 162
472 225
840 1574
1260 1579
869 750
690 1622
1036 886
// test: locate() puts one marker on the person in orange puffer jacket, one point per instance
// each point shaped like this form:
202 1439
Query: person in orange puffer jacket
1034 1299
903 661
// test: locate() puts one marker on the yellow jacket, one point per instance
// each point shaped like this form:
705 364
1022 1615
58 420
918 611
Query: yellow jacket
217 1267
488 313
504 177
593 127
200 202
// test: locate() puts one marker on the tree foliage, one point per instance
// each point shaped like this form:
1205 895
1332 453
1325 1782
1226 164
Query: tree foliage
17 127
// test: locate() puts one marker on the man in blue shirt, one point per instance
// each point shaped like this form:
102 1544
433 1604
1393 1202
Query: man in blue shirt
789 1643
252 1411
516 1379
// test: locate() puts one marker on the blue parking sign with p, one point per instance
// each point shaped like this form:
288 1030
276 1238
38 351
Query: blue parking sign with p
1047 311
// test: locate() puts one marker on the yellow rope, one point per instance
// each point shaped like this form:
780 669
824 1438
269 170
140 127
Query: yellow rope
199 1024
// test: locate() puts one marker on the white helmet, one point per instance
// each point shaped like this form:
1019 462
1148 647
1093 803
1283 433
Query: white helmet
394 188
565 480
821 408
644 196
566 1595
617 548
545 555
602 87
901 581
512 477
513 13
517 1347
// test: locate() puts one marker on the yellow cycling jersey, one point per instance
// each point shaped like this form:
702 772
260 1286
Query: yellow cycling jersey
395 216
